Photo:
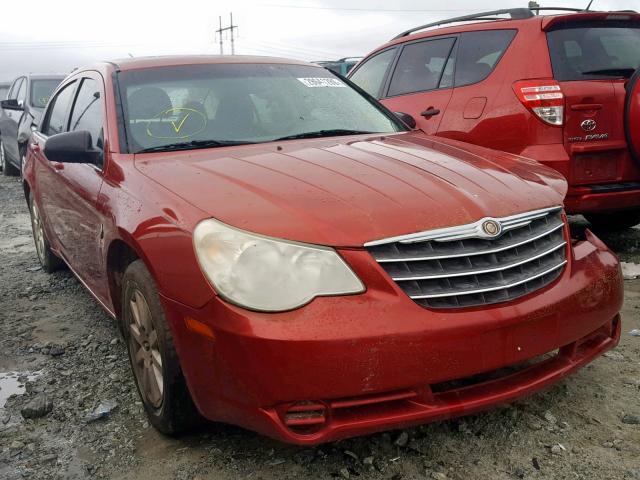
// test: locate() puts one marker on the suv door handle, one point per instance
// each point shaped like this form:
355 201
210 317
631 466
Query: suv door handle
430 112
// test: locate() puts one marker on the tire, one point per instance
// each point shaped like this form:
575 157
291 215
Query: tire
614 221
48 260
152 354
8 170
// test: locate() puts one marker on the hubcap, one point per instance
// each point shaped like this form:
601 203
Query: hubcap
38 233
145 350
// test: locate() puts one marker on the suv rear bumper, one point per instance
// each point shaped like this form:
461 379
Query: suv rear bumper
603 198
354 365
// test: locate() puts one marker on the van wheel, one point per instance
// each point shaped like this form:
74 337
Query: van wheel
153 356
8 170
48 260
614 221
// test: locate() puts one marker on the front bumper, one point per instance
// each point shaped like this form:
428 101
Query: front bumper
345 366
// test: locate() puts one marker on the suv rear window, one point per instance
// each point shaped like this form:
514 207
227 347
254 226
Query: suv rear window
595 50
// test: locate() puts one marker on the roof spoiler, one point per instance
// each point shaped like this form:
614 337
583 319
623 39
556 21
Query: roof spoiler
550 23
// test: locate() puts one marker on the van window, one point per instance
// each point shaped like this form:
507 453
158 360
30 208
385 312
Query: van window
370 75
479 53
594 51
420 66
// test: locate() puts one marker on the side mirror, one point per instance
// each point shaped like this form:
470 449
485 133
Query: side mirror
407 119
71 147
11 104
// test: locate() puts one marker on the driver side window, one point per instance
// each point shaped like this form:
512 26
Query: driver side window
57 115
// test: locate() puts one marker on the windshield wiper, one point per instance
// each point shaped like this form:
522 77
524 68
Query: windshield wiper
194 145
612 72
323 133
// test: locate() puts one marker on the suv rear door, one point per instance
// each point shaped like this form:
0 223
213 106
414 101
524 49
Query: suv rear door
592 58
477 87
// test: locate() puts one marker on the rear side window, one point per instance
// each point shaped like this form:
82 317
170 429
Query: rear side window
370 75
479 53
57 117
594 51
420 66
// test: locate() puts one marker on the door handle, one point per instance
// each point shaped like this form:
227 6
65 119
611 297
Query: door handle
430 112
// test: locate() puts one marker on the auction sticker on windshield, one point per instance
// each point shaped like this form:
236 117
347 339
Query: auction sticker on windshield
321 82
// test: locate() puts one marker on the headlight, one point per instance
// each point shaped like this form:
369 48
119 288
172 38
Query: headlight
263 273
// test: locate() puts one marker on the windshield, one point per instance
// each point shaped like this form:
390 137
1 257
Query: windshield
196 105
41 90
595 51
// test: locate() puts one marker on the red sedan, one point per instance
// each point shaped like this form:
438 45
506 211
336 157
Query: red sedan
282 253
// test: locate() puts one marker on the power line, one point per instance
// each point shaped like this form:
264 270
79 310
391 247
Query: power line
231 28
371 10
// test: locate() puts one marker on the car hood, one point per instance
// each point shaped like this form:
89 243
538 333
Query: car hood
346 191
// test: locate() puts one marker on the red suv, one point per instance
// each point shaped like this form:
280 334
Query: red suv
560 89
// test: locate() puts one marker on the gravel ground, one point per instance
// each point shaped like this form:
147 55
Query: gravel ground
62 357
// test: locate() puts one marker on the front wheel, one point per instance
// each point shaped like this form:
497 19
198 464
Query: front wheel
153 356
614 221
48 260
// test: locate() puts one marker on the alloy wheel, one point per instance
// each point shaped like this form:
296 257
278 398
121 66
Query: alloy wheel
145 350
38 232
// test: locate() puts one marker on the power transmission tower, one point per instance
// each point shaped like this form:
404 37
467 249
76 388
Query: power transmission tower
231 29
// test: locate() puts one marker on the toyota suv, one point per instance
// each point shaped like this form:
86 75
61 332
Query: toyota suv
561 89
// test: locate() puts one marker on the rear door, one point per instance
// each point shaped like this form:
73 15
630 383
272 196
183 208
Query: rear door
421 81
477 85
592 61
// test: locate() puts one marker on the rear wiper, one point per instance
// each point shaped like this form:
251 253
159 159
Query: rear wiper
611 72
323 133
194 145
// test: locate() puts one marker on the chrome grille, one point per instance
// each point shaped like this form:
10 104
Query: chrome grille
465 266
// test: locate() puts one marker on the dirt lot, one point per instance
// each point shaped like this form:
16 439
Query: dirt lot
55 341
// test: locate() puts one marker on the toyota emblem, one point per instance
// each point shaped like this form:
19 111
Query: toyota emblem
588 125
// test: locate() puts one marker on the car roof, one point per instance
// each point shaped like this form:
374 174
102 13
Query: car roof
543 20
46 76
137 63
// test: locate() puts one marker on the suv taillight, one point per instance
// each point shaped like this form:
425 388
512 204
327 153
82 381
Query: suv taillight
542 97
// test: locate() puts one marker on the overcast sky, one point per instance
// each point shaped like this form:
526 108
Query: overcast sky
59 35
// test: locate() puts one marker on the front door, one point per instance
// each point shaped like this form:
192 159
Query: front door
72 189
421 82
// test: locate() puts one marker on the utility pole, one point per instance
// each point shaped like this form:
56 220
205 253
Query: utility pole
232 29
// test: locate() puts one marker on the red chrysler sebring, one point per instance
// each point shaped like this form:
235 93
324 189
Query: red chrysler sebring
283 253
